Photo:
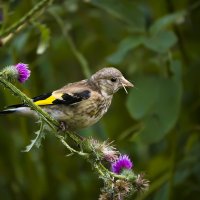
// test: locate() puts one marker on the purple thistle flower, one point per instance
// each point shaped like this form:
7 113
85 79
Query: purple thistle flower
123 162
23 72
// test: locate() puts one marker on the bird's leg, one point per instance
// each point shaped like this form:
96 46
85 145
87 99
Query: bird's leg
62 127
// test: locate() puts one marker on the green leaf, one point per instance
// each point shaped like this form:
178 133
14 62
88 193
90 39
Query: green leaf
166 21
161 42
145 95
40 134
125 11
124 47
44 38
157 105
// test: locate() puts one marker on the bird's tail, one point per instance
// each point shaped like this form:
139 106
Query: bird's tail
18 108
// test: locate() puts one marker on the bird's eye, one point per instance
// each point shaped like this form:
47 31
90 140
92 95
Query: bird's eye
113 80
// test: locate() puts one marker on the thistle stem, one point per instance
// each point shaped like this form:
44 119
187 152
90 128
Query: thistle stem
61 138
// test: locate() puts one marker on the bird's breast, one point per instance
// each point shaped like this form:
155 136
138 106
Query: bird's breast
92 111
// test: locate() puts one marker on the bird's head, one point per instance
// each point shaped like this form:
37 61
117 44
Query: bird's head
109 80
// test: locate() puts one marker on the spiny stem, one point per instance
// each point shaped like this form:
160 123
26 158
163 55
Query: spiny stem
111 173
70 148
98 168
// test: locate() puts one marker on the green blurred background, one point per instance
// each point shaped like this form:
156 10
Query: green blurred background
156 46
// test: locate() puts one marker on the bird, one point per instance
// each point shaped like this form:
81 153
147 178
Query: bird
80 104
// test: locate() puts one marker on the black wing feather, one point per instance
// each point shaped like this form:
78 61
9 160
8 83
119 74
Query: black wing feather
68 99
42 97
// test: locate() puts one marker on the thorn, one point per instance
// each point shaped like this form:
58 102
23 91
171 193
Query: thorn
70 154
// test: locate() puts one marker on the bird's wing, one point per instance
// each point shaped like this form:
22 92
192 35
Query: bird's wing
63 96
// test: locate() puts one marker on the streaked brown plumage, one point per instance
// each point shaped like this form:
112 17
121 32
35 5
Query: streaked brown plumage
80 104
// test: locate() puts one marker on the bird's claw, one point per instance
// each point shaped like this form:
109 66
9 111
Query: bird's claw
62 127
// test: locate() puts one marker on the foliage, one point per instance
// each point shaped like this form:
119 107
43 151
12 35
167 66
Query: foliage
155 44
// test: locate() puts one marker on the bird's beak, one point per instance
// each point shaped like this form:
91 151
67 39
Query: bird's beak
125 83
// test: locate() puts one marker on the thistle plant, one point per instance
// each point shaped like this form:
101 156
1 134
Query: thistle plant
18 72
115 169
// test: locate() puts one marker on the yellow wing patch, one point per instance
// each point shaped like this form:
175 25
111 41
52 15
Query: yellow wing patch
46 101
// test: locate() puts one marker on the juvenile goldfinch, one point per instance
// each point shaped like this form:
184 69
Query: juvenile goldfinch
80 104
